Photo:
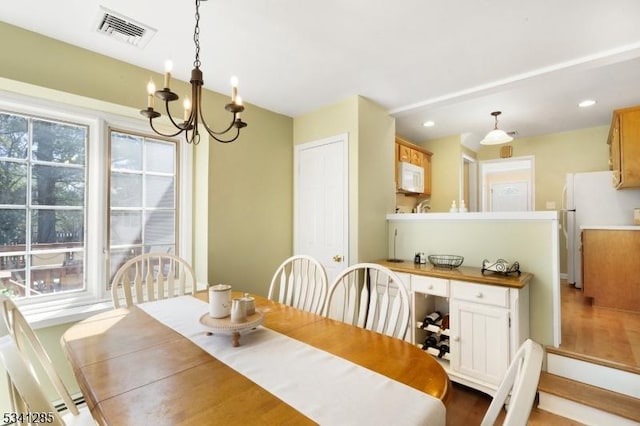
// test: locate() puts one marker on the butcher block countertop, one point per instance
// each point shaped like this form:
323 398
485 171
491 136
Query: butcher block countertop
462 273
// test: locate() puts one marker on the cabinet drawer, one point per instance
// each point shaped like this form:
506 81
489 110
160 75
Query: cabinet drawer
430 285
480 293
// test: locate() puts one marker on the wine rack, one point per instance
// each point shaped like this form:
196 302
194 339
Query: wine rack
440 333
425 304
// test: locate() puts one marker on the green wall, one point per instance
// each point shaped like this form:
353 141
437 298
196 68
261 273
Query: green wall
375 179
445 171
248 183
242 210
371 193
583 150
532 242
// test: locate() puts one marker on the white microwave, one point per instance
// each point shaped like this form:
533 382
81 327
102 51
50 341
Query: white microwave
410 177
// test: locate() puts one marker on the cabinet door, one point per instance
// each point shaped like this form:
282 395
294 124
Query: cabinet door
417 158
614 151
629 135
479 341
608 274
404 153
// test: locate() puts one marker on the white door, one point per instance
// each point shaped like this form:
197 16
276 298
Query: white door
321 202
508 184
510 197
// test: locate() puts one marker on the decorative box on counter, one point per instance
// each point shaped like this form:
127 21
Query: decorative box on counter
501 266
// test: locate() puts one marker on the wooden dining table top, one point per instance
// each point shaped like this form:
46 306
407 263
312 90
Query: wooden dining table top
132 369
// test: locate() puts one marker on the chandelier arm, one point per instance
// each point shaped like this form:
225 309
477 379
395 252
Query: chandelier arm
225 140
166 135
212 132
195 136
181 126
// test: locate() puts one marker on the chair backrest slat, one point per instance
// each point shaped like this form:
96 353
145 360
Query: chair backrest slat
521 381
171 274
148 279
300 281
14 328
374 298
155 276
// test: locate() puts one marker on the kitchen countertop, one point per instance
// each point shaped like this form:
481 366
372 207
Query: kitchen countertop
474 216
462 273
611 227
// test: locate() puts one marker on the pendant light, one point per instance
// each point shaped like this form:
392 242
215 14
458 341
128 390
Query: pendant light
496 136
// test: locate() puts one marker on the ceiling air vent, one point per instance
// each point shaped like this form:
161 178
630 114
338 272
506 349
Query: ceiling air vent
122 28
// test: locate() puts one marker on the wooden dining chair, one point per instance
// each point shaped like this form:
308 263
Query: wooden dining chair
521 382
151 276
300 281
22 353
370 296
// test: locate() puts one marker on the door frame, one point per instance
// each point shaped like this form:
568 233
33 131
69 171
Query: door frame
342 138
506 164
472 201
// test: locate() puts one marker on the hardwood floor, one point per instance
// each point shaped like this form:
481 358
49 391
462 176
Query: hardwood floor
604 333
467 408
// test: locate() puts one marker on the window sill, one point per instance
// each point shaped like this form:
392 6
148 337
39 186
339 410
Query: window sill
65 315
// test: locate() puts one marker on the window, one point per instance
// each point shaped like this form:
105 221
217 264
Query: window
78 198
143 198
42 205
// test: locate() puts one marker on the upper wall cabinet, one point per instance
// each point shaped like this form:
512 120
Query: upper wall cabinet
414 154
624 147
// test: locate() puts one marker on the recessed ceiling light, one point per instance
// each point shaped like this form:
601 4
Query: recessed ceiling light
587 103
428 123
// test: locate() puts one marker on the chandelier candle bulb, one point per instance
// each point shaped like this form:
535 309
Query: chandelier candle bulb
168 67
234 88
187 109
151 89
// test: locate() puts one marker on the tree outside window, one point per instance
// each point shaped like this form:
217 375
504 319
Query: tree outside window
42 205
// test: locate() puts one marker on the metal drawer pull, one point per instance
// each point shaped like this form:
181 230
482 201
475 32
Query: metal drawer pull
479 295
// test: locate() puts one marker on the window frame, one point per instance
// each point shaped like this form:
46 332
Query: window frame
62 308
29 207
178 189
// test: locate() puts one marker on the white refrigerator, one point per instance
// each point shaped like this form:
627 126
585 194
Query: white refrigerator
591 199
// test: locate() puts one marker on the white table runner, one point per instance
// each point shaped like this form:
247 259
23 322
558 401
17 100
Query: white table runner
326 388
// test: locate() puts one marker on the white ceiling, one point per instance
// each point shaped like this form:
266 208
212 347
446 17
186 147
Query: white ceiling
452 62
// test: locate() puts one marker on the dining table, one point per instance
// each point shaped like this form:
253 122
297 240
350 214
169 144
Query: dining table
158 363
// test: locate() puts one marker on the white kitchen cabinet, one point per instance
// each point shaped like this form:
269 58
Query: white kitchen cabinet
479 341
487 325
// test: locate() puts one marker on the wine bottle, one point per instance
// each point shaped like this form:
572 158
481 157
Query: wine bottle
445 322
431 341
443 346
432 319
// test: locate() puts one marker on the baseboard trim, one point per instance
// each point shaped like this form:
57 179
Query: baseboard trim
579 412
600 376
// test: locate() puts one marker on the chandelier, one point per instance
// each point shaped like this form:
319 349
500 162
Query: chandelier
193 116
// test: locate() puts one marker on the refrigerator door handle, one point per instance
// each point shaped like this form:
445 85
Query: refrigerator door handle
563 218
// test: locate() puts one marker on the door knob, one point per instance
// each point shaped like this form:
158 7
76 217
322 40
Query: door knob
337 258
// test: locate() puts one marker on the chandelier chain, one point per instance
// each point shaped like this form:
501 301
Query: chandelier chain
196 36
